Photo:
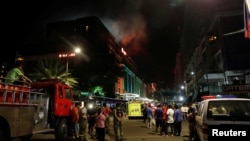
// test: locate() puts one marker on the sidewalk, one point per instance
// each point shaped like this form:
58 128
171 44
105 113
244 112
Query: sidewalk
136 130
133 129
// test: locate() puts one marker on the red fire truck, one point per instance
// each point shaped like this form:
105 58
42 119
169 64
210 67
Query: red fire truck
43 106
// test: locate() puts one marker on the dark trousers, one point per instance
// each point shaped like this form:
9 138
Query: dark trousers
100 132
144 117
171 125
158 124
177 128
191 127
163 127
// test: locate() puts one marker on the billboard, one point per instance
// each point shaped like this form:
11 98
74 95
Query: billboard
247 18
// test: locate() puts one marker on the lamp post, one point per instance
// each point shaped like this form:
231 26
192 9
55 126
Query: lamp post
67 55
194 85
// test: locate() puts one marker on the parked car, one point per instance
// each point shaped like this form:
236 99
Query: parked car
222 114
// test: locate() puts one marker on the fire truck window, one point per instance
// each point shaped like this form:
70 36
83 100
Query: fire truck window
60 93
67 92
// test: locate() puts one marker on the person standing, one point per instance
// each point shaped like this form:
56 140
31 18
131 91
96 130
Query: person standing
177 120
91 121
106 111
158 118
170 120
164 119
83 122
149 115
100 125
191 122
118 119
184 110
153 107
144 111
75 119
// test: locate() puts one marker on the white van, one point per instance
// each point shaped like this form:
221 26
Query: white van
218 117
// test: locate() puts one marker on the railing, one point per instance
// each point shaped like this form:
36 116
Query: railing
11 94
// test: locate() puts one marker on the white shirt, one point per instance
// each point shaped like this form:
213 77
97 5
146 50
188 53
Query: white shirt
83 112
170 114
184 109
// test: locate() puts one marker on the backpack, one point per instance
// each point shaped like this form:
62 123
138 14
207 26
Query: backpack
119 112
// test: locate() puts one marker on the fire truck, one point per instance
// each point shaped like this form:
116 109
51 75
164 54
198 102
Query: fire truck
43 106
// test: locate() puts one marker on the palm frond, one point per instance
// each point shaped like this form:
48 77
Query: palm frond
51 68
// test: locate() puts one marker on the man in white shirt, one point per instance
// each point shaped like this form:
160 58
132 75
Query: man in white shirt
184 110
83 123
170 120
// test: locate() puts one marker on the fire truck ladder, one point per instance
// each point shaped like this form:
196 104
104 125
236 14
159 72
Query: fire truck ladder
18 95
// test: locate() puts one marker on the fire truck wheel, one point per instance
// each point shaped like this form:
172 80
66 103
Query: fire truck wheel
26 138
3 135
61 130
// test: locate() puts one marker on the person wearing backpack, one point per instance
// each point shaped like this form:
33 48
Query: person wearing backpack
118 120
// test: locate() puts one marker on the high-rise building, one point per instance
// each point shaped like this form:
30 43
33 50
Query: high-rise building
214 47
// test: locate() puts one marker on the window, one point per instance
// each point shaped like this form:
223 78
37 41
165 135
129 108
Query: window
229 110
68 94
60 93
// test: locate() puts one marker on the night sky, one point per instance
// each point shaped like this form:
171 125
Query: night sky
148 29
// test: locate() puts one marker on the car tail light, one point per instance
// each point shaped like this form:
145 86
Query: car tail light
204 128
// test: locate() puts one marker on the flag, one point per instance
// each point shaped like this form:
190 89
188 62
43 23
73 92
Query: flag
247 18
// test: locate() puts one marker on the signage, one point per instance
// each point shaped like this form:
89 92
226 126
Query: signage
236 88
134 109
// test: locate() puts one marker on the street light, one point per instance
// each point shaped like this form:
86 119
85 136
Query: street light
67 55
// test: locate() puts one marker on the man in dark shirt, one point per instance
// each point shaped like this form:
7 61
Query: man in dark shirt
158 118
191 122
91 121
177 120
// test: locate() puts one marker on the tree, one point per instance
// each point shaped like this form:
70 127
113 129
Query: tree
51 68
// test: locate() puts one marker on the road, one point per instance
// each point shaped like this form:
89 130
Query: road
134 130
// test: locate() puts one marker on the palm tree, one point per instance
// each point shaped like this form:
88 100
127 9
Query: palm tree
51 68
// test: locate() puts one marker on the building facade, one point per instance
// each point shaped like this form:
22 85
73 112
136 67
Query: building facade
103 62
214 50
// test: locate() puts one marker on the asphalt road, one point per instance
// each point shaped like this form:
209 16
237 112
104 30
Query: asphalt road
134 130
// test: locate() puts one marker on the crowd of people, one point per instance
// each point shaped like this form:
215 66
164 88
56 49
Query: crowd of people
167 119
96 122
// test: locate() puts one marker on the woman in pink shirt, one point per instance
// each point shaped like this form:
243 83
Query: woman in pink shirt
100 125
